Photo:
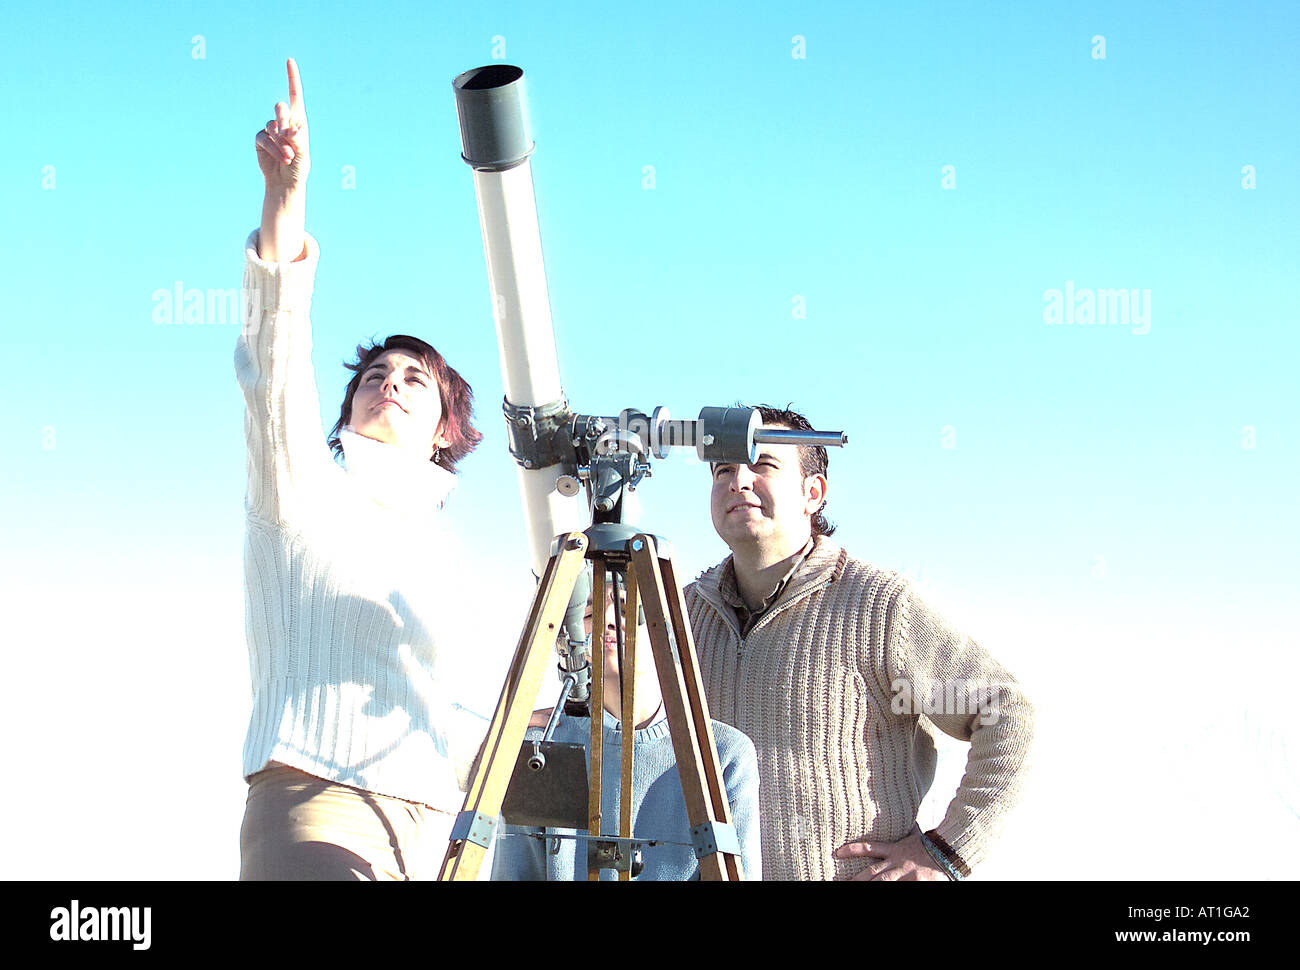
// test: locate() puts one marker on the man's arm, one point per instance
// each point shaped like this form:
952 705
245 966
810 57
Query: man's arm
933 670
953 681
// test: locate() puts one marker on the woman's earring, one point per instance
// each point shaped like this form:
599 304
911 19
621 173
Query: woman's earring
436 453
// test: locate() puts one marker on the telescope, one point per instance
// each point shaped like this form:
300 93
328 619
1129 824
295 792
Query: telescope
560 454
577 473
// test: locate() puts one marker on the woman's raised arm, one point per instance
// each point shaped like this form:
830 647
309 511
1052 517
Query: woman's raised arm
287 454
283 156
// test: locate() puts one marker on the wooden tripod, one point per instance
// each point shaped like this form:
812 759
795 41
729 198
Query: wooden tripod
652 581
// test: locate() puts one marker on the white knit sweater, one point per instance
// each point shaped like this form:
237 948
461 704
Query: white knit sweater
347 577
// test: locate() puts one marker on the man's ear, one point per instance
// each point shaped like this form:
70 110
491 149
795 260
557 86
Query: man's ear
815 489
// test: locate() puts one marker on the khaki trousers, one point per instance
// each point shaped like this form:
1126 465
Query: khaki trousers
298 826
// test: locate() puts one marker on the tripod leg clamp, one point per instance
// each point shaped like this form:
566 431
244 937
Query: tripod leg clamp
474 827
621 855
710 837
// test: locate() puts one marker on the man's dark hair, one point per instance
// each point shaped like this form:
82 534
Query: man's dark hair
812 460
457 397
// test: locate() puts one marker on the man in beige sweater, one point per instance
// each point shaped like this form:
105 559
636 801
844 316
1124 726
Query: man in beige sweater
839 673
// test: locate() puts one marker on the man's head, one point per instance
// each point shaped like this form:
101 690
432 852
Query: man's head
778 500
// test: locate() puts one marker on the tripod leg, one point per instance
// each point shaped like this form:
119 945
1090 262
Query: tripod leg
596 749
487 788
695 692
627 669
688 720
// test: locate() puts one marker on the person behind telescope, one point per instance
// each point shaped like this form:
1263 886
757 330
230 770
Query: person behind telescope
355 746
658 803
833 667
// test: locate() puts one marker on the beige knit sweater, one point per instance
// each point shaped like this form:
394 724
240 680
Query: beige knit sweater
839 685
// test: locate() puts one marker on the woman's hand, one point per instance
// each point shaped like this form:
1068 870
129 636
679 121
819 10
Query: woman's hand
284 158
282 145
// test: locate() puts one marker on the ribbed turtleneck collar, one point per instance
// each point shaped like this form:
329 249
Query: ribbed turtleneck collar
396 478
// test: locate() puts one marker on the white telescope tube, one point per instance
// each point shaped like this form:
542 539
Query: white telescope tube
521 304
530 367
491 106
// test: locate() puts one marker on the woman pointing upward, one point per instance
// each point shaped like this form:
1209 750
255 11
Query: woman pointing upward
356 746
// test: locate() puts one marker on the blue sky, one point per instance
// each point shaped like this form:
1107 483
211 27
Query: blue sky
1112 512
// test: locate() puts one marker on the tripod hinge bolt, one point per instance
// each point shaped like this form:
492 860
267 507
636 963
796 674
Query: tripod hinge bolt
711 837
637 545
474 827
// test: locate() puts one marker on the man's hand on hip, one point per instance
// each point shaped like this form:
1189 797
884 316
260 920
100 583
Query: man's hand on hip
906 859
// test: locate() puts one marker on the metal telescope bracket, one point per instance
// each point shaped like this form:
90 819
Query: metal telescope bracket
609 456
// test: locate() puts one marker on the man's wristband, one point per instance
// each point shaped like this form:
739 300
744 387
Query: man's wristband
949 870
